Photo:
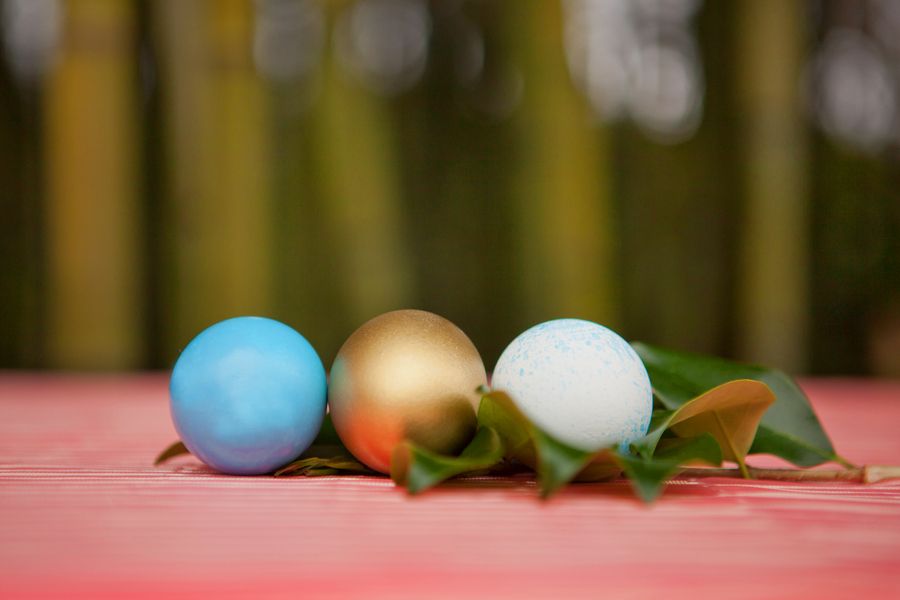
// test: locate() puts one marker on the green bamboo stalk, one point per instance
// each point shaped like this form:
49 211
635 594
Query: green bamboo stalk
304 269
457 149
93 270
856 236
565 231
677 203
219 205
358 178
19 205
773 296
305 263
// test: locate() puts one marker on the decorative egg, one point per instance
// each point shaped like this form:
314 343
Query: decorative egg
407 374
578 381
248 395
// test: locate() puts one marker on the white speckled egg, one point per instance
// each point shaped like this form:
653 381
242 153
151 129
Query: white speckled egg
578 381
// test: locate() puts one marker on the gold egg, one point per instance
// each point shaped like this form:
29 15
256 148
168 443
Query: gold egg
406 374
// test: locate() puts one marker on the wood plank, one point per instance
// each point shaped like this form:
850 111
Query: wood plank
78 478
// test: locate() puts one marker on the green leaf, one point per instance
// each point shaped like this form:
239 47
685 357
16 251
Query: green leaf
789 429
602 467
324 458
322 472
648 474
659 425
555 462
176 449
419 469
729 412
497 411
503 432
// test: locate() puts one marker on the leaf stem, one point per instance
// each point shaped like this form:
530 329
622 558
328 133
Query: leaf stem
843 462
738 457
865 474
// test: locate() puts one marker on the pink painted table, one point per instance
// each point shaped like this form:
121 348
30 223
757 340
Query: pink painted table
83 514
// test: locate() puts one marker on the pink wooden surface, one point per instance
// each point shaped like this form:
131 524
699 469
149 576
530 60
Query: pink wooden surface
83 514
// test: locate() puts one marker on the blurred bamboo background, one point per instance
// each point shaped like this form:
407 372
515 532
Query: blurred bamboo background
714 176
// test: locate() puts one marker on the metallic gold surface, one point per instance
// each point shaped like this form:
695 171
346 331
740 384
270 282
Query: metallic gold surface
407 374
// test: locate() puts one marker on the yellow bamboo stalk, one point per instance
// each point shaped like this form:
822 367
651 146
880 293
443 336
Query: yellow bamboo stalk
565 230
219 207
94 303
773 296
358 171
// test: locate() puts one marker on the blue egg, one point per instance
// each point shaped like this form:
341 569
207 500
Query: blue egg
248 395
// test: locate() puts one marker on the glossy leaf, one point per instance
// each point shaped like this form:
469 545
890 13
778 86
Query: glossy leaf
555 462
506 432
418 469
648 474
789 429
730 412
176 449
498 411
602 467
325 459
